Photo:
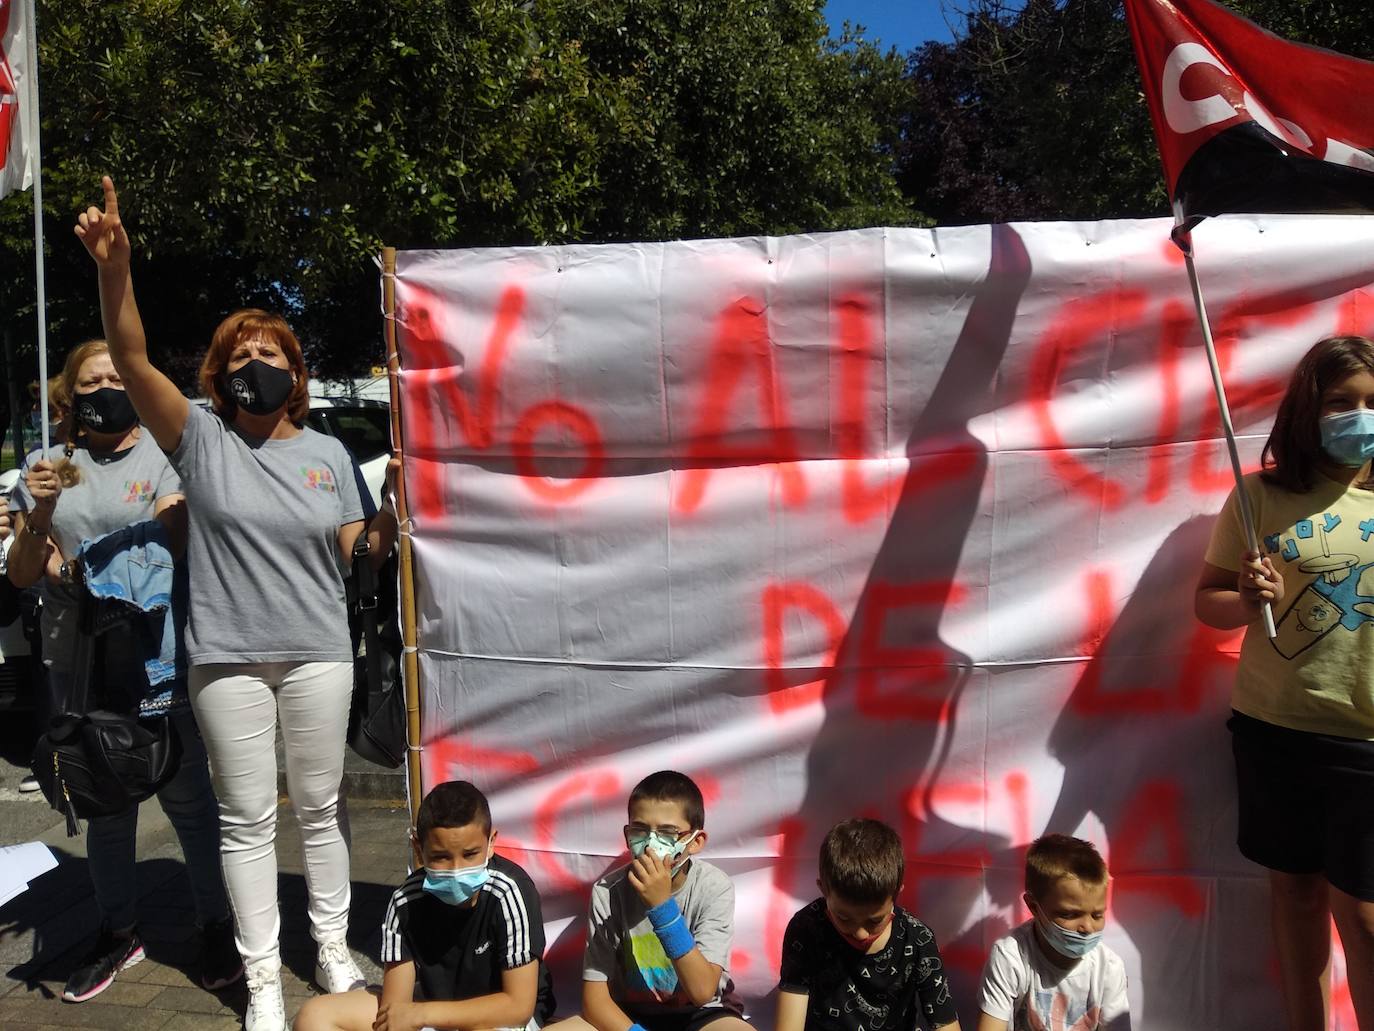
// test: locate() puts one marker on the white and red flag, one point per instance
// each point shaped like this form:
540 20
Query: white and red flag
16 166
1249 122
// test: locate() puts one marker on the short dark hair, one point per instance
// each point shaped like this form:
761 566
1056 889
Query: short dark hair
1053 857
671 786
861 861
1294 446
455 803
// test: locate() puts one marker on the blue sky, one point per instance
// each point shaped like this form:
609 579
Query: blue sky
900 23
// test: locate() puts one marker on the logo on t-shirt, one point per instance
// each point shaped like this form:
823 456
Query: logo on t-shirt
320 479
1342 593
647 963
481 948
1055 1011
137 491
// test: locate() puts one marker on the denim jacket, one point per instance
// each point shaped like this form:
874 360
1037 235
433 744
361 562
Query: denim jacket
133 565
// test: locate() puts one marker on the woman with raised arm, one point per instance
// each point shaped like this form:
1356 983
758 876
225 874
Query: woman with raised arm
274 514
111 476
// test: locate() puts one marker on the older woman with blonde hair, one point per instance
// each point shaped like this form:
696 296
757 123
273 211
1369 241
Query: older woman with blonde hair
275 513
112 475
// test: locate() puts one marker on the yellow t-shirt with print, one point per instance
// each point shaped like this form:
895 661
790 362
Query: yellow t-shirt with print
1317 675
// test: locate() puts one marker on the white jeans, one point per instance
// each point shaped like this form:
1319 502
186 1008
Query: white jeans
237 706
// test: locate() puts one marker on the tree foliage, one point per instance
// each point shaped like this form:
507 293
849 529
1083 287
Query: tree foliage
747 120
1034 112
266 150
1037 111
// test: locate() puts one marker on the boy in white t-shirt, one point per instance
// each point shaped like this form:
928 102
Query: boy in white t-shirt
1053 971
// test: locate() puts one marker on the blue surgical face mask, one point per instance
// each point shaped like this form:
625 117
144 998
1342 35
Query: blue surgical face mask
457 886
1348 437
1069 944
661 845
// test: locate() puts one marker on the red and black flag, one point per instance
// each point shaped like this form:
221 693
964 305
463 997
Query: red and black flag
1249 122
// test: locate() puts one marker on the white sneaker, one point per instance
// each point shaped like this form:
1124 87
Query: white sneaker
335 970
266 1009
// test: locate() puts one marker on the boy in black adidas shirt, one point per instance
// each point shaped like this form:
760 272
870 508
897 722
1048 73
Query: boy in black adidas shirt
463 938
854 960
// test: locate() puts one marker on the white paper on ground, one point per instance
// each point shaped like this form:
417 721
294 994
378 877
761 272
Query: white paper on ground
20 864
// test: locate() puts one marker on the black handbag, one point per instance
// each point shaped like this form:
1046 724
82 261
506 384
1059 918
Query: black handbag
377 717
94 762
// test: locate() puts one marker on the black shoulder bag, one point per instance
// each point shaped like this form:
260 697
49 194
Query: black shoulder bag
377 718
93 762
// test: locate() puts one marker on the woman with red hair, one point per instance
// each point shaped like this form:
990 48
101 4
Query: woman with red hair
274 515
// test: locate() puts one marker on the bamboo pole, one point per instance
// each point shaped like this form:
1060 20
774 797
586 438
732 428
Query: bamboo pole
410 656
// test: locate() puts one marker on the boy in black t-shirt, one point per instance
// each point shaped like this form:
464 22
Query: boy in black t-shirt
463 938
853 960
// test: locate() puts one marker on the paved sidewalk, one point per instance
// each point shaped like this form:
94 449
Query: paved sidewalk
44 932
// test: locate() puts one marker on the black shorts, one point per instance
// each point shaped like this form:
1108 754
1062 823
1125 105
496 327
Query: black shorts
1306 803
686 1020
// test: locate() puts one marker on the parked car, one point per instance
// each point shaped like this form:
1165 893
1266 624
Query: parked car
364 427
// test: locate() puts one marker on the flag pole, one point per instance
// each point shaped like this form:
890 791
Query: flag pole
36 156
410 657
1183 239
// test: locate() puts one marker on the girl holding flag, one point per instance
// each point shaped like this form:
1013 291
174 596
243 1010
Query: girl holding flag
1302 728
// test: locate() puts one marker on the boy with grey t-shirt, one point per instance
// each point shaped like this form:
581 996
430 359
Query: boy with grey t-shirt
658 944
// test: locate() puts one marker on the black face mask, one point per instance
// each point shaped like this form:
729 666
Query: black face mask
259 388
106 410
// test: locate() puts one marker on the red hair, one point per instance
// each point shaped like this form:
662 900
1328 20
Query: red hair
238 327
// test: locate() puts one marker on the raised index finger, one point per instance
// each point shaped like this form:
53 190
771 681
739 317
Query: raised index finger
111 200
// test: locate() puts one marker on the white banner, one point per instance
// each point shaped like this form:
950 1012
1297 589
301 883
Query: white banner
15 170
901 523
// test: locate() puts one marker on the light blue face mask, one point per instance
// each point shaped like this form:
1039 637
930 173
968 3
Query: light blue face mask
661 845
1348 437
457 886
1069 944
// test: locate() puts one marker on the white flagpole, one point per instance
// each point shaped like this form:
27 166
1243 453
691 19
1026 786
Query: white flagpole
36 157
1183 239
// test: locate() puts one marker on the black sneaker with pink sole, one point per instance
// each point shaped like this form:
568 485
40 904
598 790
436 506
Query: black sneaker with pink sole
110 954
220 964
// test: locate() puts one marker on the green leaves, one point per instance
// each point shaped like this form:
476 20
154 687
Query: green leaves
265 151
1033 112
1036 110
739 119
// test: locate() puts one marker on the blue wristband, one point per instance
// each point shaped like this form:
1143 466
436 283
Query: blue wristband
634 1027
664 913
673 933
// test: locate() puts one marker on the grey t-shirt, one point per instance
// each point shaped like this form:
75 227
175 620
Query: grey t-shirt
264 516
623 949
114 491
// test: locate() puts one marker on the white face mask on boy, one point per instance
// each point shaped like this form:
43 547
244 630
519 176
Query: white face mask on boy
663 846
